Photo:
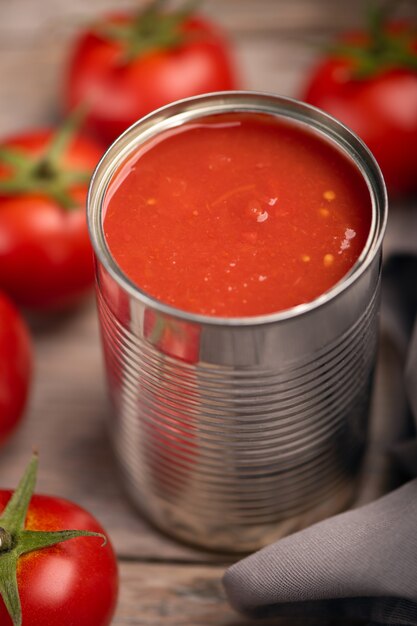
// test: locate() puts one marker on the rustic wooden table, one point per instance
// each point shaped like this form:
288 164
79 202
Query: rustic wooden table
162 581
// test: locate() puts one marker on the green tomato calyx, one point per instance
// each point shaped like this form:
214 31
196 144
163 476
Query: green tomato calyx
152 29
16 541
45 174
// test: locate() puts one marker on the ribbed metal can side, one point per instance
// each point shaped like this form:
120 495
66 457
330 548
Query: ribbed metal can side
233 459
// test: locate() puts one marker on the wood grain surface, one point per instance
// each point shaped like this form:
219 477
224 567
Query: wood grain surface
163 582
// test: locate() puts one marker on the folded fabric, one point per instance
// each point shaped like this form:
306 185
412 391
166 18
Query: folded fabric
361 564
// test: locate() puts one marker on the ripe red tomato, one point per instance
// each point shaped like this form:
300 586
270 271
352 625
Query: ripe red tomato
127 66
369 82
15 367
71 583
45 253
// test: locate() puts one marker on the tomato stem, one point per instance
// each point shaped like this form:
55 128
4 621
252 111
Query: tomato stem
151 29
378 15
64 135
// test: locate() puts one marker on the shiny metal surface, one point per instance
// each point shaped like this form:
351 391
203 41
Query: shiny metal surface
237 431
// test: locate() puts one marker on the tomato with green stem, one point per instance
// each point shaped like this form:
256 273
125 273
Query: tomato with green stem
45 253
127 65
368 80
51 576
15 367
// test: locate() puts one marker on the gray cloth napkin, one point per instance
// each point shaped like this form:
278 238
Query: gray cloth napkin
361 564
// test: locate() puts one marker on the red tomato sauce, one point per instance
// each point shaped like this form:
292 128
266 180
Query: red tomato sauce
237 215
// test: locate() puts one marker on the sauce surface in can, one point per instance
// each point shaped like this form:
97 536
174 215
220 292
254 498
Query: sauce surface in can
237 214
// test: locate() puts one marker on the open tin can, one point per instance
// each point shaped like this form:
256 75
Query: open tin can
263 431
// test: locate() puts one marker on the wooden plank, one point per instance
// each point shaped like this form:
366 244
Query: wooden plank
185 596
58 17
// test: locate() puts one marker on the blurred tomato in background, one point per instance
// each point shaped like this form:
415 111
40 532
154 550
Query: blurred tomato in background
126 65
368 80
45 252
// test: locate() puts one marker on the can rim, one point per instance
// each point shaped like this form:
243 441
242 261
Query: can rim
188 109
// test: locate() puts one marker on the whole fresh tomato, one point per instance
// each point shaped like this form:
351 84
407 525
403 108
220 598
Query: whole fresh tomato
64 577
45 253
128 65
15 367
369 81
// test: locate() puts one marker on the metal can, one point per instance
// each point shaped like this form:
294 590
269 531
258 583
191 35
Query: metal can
264 432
